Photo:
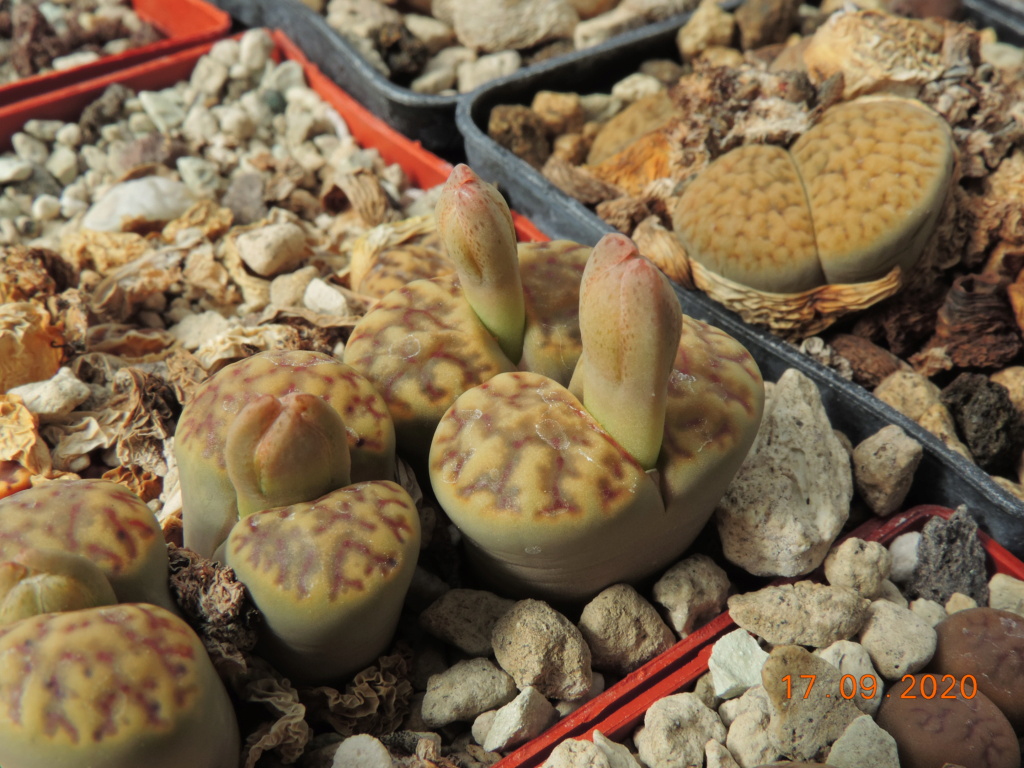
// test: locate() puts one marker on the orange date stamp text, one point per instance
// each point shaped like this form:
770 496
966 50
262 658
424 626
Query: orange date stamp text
925 686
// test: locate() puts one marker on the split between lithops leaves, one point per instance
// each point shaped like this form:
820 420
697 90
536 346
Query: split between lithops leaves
98 520
329 576
549 499
118 686
426 343
857 195
276 428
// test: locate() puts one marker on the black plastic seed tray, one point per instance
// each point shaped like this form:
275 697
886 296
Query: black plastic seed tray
944 477
429 119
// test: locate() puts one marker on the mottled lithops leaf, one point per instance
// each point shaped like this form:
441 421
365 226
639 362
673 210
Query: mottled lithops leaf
49 580
746 218
422 346
876 171
118 686
715 401
99 520
550 504
395 253
551 274
329 576
209 499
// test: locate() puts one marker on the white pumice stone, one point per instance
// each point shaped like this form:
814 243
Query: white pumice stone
735 664
903 550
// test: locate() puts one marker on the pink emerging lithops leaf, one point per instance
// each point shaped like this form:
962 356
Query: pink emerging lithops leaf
630 321
119 686
98 520
285 450
476 228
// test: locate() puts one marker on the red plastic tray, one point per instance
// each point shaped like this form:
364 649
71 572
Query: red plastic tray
618 711
423 168
183 23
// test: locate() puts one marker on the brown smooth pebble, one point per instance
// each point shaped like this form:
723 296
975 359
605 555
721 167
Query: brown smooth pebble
988 644
930 733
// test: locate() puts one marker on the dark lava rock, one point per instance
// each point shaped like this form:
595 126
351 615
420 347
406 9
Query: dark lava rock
950 558
521 131
105 109
403 52
986 420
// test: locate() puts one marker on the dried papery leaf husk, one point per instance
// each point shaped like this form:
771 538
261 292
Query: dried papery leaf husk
375 702
976 327
149 406
578 181
362 190
129 341
664 250
206 216
143 483
795 315
13 478
31 345
876 51
395 253
23 275
20 441
239 343
103 251
118 295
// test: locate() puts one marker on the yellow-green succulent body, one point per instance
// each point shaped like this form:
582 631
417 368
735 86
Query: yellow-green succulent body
329 576
120 686
98 520
210 505
553 506
47 581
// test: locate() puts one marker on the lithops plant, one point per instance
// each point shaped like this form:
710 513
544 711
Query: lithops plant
329 576
118 686
559 496
394 254
98 520
47 581
274 429
508 306
826 223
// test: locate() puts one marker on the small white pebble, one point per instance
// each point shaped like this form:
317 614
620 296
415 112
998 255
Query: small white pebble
958 601
904 556
45 208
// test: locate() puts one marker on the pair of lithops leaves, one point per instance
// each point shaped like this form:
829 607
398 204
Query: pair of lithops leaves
856 196
286 462
559 491
98 669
